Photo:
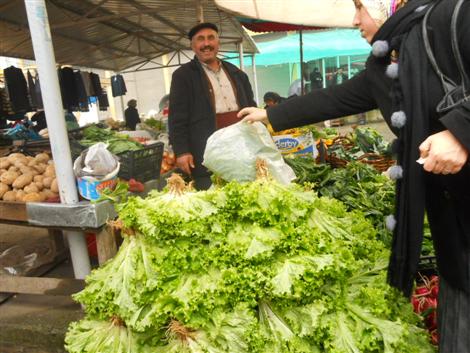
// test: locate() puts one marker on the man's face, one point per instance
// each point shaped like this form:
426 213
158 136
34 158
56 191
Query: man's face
205 44
269 102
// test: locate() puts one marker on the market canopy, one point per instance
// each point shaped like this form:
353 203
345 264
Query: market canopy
316 45
318 13
116 34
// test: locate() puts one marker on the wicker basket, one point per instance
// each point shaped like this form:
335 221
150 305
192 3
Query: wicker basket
380 163
332 158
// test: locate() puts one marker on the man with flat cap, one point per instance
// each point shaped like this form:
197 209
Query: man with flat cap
205 95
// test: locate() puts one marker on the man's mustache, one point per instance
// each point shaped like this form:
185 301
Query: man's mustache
207 47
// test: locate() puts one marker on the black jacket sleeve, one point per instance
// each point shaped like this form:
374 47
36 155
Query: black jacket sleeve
457 121
179 114
351 97
248 91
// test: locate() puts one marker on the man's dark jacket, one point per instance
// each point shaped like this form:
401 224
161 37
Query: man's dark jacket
192 114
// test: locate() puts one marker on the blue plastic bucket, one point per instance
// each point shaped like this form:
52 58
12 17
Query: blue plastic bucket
90 188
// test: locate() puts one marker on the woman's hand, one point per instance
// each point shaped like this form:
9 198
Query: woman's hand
252 114
443 153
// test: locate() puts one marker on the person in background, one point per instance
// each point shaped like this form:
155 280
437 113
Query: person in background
205 95
433 145
339 76
316 79
39 118
272 98
131 115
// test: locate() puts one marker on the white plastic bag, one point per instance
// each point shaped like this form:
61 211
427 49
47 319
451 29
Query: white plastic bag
232 152
96 161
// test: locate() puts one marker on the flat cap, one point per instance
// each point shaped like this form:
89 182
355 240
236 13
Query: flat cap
200 26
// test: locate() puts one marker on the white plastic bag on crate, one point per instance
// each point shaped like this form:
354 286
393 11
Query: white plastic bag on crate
99 161
232 152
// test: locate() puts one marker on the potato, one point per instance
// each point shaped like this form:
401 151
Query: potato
20 194
41 167
42 157
32 162
28 170
3 171
13 169
9 177
50 171
48 193
54 186
5 164
3 189
10 196
31 188
20 162
39 185
23 180
12 157
47 181
38 178
33 197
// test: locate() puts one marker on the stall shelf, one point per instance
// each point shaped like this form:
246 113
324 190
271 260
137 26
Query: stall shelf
82 216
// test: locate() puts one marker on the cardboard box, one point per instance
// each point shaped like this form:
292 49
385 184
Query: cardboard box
298 144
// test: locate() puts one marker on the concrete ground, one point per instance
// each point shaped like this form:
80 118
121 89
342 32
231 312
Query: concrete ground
37 323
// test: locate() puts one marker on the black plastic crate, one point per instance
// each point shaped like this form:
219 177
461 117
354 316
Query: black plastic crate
427 266
142 165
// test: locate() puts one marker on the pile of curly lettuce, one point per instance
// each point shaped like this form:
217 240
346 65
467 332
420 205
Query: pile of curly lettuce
256 267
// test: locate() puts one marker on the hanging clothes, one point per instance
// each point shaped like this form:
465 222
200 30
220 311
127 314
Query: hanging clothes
95 84
103 100
81 92
68 89
118 85
38 93
17 89
5 105
34 92
87 83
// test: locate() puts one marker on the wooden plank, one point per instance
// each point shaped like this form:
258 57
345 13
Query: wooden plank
38 285
106 244
13 211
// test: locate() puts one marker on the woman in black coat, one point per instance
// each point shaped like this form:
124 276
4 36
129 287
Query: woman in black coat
402 82
131 115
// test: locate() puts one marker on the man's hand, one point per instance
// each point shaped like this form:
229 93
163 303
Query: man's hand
252 114
185 162
443 153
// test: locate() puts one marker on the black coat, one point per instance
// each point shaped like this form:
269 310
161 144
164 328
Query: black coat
447 197
191 115
131 115
17 89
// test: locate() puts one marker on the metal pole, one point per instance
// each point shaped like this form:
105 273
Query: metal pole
255 78
302 88
323 71
240 53
349 67
199 11
46 64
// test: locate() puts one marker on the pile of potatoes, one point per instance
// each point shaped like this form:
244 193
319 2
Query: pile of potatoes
27 179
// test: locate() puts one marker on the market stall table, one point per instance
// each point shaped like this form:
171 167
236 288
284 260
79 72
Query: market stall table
85 216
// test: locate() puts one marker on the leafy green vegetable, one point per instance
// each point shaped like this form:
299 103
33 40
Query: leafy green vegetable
117 143
257 267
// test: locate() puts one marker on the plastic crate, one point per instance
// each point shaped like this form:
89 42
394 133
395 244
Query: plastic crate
427 266
142 165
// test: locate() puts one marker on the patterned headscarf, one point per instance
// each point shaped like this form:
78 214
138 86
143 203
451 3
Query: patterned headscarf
380 10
